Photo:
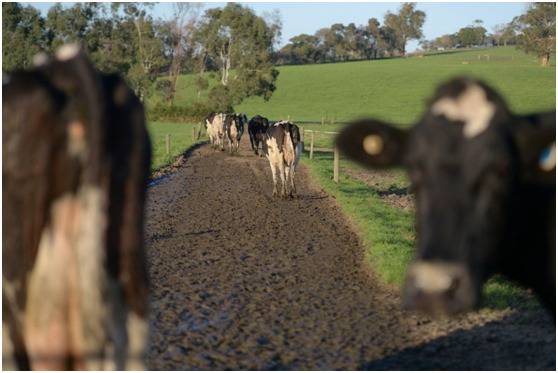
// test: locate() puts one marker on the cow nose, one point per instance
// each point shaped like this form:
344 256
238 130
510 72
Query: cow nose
438 288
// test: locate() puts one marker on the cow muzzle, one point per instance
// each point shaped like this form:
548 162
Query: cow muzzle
439 288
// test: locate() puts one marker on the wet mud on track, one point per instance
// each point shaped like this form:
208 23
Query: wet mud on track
241 280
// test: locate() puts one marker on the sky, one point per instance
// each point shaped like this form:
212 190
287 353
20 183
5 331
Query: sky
298 18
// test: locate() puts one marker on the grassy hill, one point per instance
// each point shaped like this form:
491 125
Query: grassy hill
395 89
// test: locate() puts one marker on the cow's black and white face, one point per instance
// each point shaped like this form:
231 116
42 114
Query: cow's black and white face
464 163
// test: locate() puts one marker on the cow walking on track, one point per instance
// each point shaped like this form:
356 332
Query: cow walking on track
234 128
257 127
282 148
485 186
215 127
76 158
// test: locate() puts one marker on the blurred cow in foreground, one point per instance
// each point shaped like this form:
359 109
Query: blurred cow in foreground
282 148
76 158
484 181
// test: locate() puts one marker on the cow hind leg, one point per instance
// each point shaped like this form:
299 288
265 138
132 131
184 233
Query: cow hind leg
137 337
283 179
290 171
274 176
252 141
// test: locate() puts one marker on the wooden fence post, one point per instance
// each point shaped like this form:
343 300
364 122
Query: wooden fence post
193 132
168 143
323 119
311 144
336 165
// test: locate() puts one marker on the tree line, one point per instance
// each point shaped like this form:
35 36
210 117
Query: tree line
351 42
533 32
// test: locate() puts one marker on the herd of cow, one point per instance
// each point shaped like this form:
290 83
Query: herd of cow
280 143
75 164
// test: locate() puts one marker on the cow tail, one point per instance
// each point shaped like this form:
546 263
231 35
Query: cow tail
288 148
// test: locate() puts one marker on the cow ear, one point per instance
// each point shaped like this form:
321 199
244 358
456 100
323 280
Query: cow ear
536 143
373 143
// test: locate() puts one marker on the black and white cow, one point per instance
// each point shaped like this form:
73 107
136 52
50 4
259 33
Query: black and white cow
216 130
75 163
282 148
257 127
484 181
234 128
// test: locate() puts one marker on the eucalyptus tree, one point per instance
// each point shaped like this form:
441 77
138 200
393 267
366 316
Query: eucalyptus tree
23 35
537 31
405 25
239 45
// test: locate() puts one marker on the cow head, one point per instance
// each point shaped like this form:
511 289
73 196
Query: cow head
465 158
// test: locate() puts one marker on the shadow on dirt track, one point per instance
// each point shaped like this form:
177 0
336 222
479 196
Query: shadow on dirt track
241 280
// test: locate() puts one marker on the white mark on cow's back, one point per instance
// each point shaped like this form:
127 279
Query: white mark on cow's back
547 161
471 107
67 52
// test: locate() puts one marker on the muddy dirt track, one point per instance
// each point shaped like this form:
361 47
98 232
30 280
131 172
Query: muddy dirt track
242 280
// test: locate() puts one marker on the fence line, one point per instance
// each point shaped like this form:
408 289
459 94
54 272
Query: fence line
312 121
334 150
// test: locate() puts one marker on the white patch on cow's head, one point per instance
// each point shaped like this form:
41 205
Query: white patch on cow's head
40 59
373 144
67 52
77 145
547 161
471 107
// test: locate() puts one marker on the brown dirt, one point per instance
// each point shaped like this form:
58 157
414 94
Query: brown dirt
241 280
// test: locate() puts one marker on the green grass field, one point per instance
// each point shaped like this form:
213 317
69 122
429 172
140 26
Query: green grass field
181 139
393 90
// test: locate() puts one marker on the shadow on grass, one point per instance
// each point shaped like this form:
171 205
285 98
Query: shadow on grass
520 341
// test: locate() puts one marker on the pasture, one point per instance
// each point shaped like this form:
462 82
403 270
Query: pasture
393 90
181 139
